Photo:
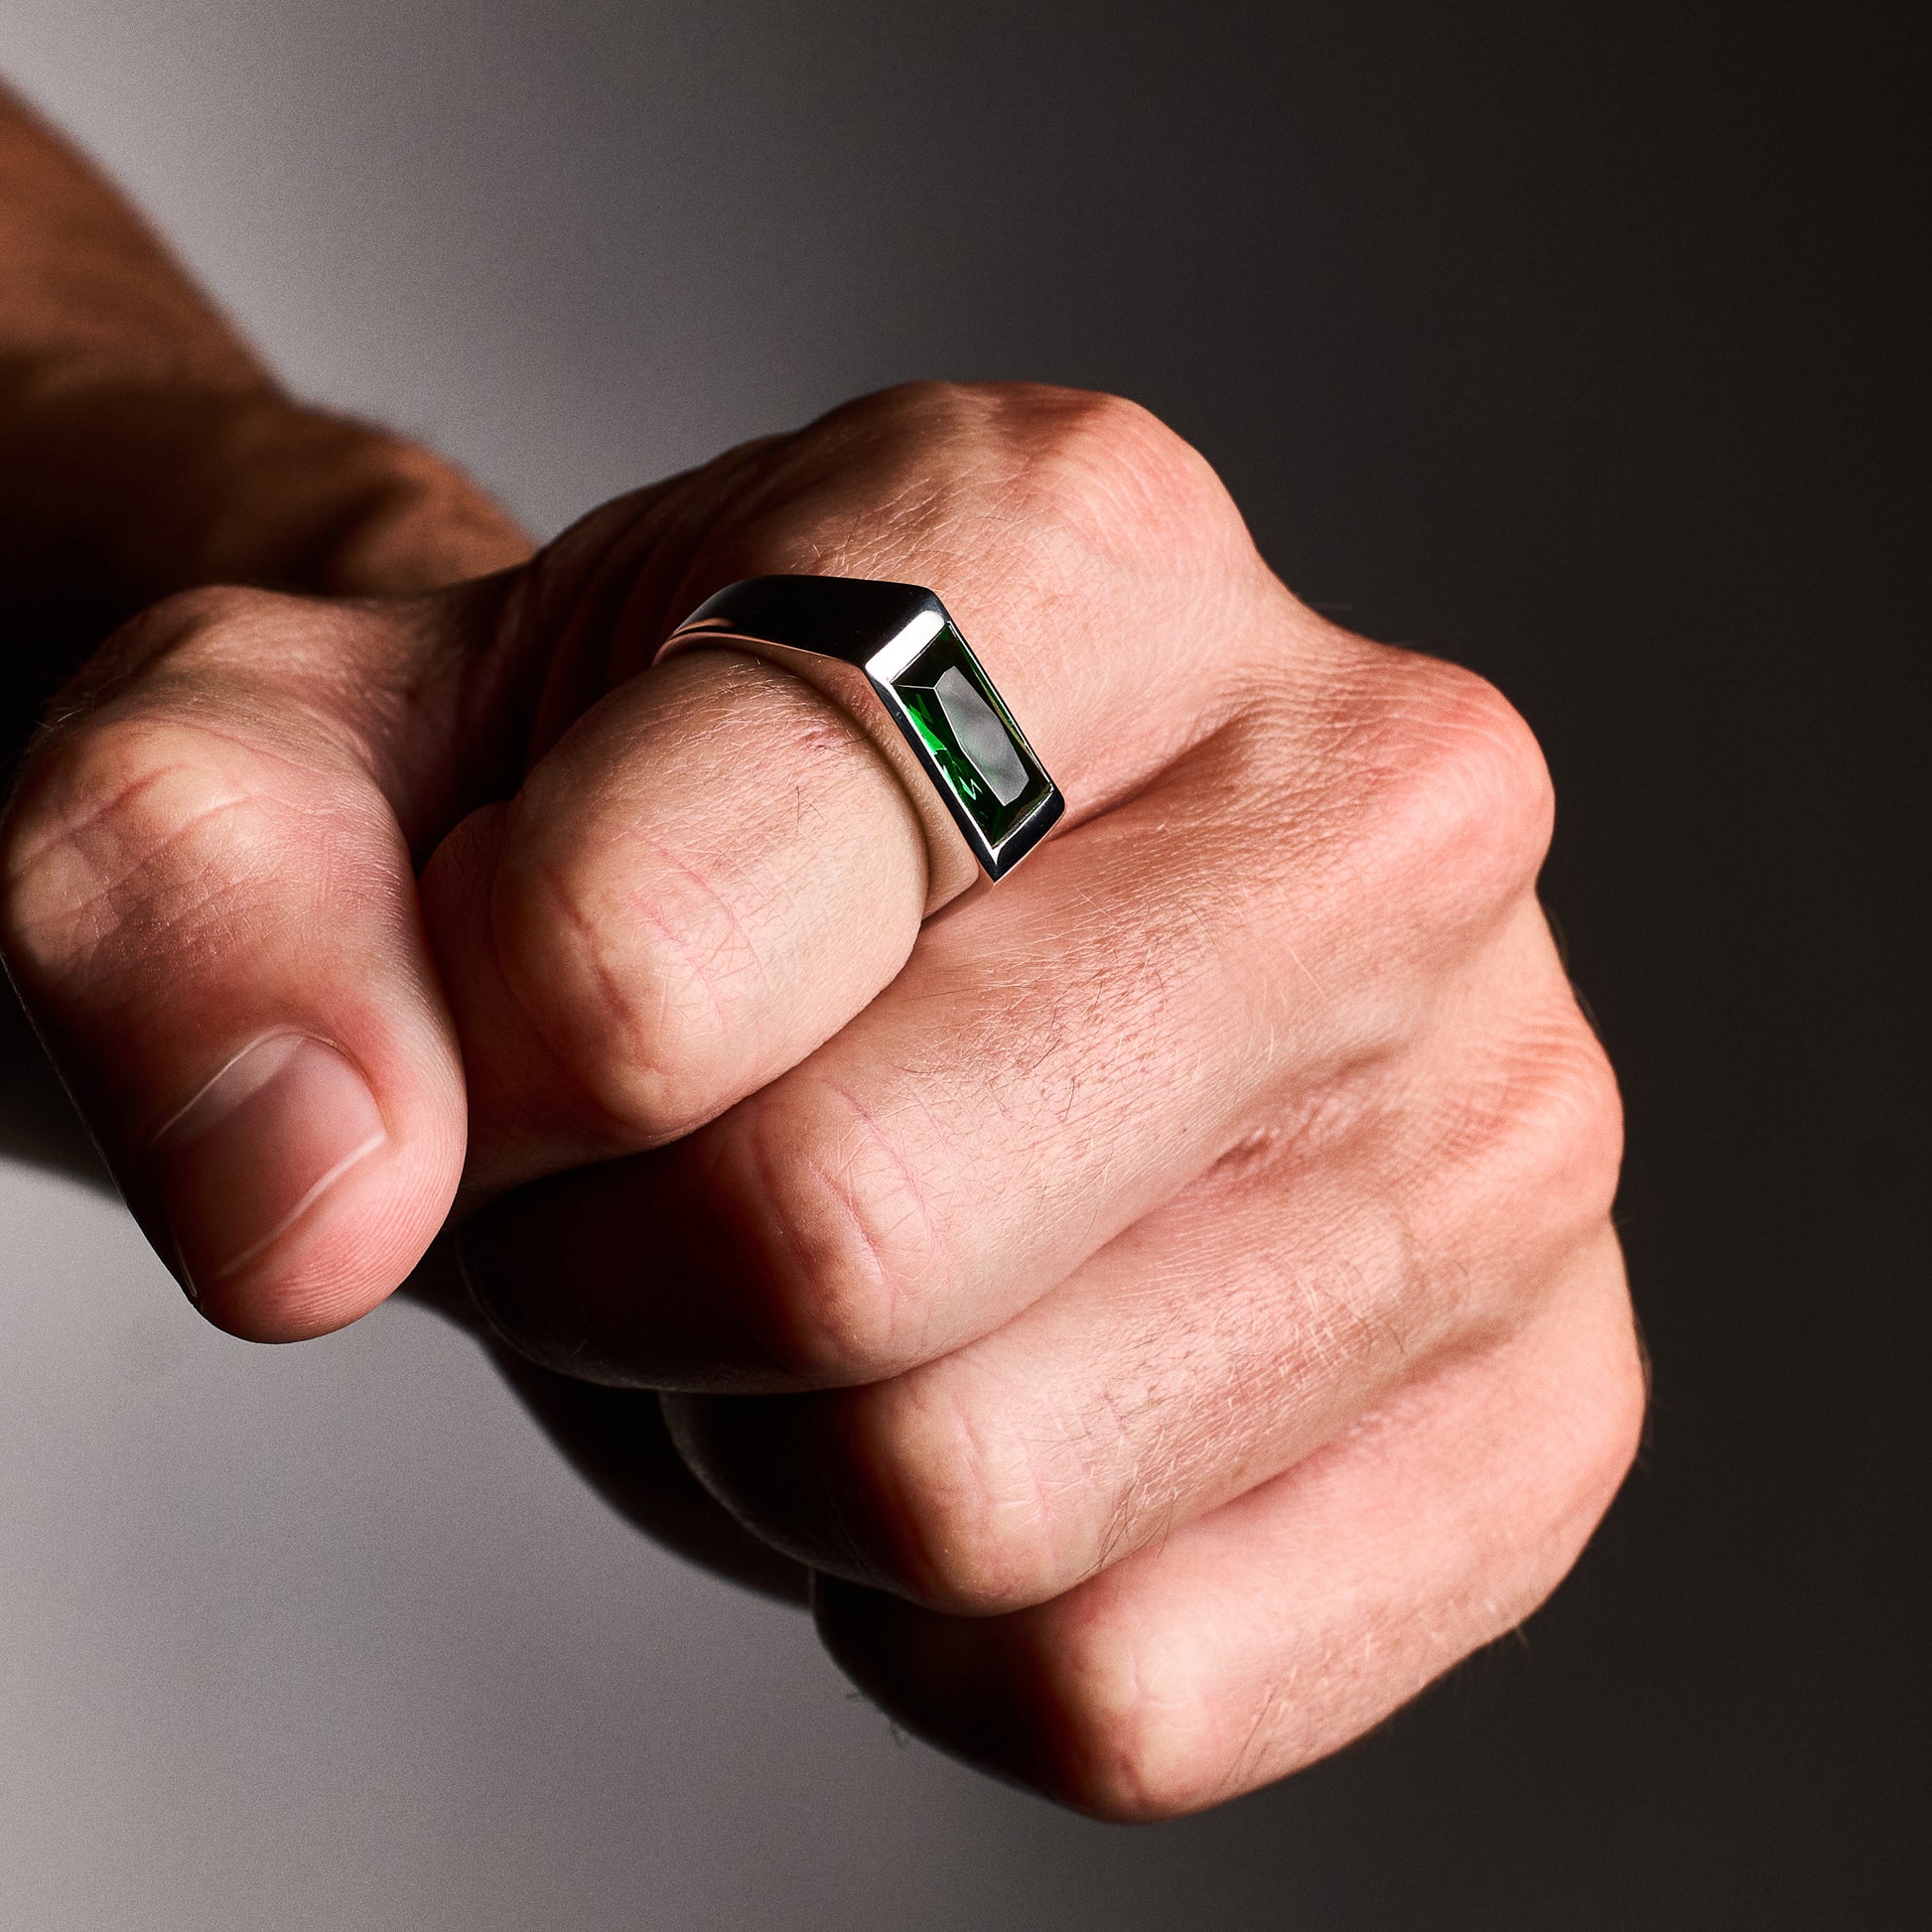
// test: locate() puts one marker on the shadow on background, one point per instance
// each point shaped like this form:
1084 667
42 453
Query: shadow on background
615 1439
38 1123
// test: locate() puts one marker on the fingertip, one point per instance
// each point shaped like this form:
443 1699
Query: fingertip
258 1149
294 1200
341 1256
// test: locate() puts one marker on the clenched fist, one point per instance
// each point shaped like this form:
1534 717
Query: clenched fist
1169 1298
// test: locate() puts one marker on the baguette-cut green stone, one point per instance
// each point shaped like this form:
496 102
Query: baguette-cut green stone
971 735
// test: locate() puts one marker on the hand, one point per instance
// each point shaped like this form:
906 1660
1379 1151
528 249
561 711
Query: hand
1170 1299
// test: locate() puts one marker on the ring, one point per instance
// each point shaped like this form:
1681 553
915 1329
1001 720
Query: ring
892 659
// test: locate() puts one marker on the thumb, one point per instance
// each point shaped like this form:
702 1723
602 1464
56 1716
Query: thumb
208 904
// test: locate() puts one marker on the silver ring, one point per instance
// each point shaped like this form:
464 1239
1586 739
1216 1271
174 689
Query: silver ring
892 659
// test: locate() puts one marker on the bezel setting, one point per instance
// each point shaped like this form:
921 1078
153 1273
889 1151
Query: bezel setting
893 657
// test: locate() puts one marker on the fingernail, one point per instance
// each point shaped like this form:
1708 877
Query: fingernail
256 1149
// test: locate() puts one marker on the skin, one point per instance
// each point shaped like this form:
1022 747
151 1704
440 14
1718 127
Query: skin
1169 1302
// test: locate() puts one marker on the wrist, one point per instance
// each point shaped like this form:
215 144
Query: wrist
299 499
113 495
142 493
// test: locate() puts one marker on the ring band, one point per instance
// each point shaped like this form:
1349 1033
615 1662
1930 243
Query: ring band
892 659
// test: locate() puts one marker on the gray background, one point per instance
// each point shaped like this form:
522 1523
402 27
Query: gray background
1561 340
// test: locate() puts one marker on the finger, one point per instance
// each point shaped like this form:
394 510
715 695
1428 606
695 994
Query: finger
1057 1060
637 940
210 912
1273 1631
714 869
1213 1345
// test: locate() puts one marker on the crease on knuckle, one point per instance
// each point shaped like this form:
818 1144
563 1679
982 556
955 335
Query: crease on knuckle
130 829
1577 1113
1545 1129
859 1244
1517 1181
972 1515
632 987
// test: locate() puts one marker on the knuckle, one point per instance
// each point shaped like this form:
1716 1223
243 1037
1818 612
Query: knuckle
1580 1112
1546 1124
1606 1418
1523 1168
1587 1423
1626 1406
127 821
1068 483
1091 464
1121 479
631 968
850 1250
1129 1727
969 1523
1611 1444
1465 796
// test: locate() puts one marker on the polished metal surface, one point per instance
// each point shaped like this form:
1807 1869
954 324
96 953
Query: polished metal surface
857 641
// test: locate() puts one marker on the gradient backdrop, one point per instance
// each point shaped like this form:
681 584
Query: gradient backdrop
1564 341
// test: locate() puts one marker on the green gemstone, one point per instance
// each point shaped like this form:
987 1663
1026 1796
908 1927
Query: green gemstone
971 735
